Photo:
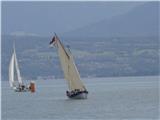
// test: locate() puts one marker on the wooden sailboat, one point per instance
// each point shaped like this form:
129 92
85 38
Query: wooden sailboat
15 79
77 89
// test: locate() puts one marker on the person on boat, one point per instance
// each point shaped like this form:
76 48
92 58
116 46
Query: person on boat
23 87
72 92
77 90
68 93
85 91
19 87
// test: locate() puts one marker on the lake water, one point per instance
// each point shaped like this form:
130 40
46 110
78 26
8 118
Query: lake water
109 99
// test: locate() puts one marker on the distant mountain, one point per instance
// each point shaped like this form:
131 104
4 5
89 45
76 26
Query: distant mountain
95 56
140 21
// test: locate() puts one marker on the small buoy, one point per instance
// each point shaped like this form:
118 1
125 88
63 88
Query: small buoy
32 86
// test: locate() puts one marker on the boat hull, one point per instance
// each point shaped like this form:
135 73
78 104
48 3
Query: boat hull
20 90
82 95
17 90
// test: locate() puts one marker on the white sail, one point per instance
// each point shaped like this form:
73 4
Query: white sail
71 73
11 71
17 69
14 68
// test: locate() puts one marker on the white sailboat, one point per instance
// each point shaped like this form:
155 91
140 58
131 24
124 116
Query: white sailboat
77 89
15 79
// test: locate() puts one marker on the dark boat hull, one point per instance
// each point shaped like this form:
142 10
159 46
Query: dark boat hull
79 95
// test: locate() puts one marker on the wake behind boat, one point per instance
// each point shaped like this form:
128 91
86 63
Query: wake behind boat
77 89
15 79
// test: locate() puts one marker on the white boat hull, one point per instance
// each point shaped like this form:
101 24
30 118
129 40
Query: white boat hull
20 90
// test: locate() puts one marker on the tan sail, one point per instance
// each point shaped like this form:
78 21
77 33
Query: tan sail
71 73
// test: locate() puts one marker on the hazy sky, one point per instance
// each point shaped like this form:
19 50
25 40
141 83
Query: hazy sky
44 18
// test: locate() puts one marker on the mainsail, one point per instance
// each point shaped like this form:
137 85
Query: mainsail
14 66
17 69
11 71
71 73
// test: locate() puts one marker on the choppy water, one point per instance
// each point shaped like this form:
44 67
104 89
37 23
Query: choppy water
109 98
